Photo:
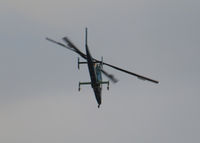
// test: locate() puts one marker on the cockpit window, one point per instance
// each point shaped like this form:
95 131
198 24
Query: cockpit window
98 72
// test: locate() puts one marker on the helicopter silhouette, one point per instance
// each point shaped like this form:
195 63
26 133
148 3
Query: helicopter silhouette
95 68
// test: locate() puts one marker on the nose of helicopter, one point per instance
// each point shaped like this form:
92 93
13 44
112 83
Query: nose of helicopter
98 96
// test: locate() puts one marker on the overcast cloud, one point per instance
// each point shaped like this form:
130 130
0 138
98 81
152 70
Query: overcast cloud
39 98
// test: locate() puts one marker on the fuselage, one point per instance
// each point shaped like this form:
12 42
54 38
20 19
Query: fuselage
95 76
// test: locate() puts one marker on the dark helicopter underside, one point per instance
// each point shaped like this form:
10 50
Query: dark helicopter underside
94 82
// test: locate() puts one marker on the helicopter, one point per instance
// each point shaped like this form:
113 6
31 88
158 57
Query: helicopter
95 68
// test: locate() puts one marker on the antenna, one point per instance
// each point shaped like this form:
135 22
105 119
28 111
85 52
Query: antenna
86 36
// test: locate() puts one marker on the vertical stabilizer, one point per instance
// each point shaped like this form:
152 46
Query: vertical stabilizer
86 36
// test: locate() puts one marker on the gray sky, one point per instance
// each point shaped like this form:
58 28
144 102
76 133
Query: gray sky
39 98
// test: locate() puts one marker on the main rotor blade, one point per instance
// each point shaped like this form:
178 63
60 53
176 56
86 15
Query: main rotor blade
131 73
71 45
110 76
53 41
